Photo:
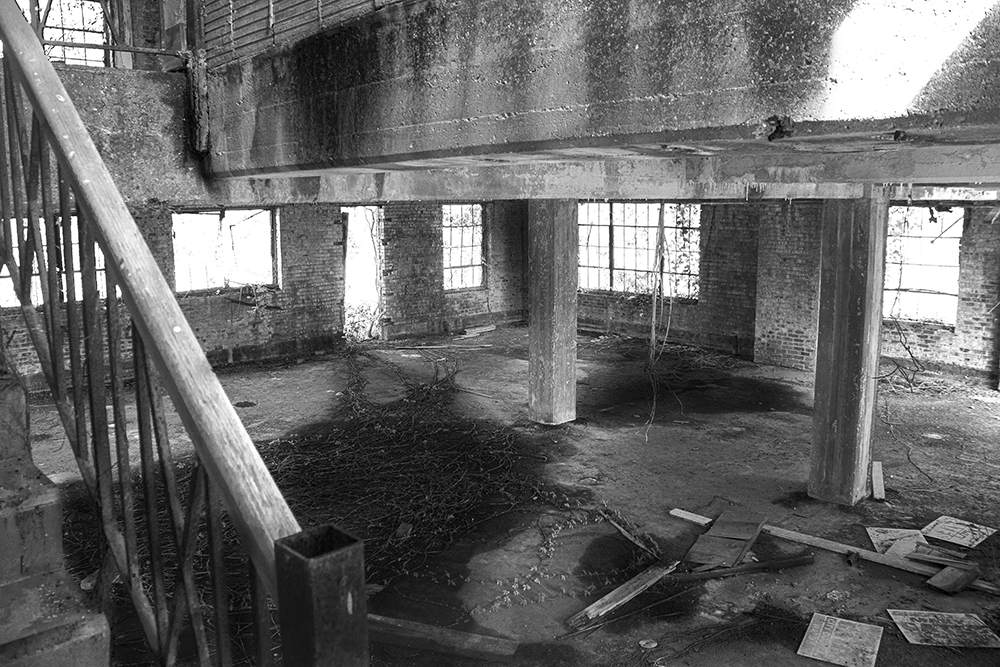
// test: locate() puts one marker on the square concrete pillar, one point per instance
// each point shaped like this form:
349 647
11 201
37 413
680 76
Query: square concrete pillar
850 332
552 281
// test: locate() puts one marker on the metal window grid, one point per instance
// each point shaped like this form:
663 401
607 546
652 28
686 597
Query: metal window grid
618 247
462 245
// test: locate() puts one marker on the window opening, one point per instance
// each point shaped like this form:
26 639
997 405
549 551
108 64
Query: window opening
618 247
363 263
922 263
225 249
462 239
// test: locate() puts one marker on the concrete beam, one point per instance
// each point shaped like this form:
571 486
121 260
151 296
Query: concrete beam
552 281
474 81
850 322
677 179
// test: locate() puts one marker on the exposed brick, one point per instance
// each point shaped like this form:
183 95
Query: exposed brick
414 298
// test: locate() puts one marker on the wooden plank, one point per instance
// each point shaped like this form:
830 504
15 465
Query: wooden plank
737 524
955 579
690 517
719 551
878 484
940 560
256 506
384 630
837 547
764 565
622 594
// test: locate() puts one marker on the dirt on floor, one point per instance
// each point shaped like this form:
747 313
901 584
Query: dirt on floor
477 519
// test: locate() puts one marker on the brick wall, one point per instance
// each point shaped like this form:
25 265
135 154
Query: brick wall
723 316
972 343
788 273
414 298
305 314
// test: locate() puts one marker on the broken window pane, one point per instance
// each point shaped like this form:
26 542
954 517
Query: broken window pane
224 249
921 263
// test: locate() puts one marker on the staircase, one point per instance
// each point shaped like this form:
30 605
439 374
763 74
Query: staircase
43 620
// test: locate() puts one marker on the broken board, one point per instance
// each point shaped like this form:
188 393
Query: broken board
957 531
627 591
883 539
728 540
878 484
841 642
933 628
397 632
954 579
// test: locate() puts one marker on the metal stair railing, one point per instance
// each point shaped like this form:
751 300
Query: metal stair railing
60 214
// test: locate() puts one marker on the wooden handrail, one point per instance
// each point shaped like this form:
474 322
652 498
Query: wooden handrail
255 504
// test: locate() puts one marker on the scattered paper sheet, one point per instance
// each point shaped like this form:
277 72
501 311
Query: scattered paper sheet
841 642
940 629
957 531
884 538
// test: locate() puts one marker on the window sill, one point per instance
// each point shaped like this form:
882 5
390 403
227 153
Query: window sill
461 290
223 291
630 296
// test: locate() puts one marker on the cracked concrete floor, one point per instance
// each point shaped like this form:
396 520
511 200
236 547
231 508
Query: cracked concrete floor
724 432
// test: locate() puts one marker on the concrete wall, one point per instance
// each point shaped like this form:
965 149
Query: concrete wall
723 316
454 78
414 298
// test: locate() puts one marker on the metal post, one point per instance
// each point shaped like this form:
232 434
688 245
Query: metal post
321 598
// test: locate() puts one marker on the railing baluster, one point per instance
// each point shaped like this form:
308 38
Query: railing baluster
189 595
261 618
220 595
149 476
73 315
51 276
94 347
133 579
6 201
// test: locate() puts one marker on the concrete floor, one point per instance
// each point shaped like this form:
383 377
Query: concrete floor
725 433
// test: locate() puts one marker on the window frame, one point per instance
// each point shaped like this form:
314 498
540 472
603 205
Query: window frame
610 268
275 250
482 265
890 294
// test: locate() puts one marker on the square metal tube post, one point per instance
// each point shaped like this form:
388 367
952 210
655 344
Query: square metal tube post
321 598
848 345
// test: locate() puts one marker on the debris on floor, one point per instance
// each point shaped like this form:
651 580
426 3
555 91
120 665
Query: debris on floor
957 531
841 642
627 591
884 539
940 629
878 483
852 553
728 540
472 332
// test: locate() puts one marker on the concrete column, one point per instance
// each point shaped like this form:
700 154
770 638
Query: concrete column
850 327
552 281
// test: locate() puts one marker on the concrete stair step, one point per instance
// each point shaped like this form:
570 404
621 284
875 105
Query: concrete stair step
45 622
30 522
